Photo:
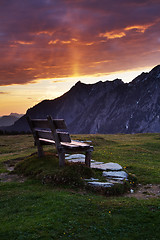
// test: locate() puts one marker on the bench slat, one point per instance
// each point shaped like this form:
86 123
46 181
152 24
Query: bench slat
64 137
59 124
66 145
75 145
43 123
40 123
79 143
47 141
44 134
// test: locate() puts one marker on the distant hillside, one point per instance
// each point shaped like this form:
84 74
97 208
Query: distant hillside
105 107
9 120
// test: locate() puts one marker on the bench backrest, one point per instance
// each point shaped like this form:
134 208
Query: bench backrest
49 129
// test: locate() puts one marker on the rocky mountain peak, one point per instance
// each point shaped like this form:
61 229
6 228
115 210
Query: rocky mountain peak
155 72
105 107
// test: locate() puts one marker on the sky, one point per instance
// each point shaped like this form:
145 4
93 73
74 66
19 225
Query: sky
46 46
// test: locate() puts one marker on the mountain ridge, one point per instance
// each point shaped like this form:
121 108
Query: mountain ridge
105 107
8 120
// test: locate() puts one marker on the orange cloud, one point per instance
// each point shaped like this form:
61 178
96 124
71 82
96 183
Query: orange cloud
113 34
44 32
72 40
123 33
59 41
138 28
23 42
89 43
53 42
66 42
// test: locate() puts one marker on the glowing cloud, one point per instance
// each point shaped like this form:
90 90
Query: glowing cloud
57 39
112 34
139 28
23 42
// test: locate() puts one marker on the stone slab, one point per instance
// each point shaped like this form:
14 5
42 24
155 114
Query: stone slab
113 166
96 163
110 180
75 156
91 179
118 178
77 160
107 166
115 174
100 184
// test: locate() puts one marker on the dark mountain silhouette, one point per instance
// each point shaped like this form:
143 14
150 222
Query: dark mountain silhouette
105 107
8 120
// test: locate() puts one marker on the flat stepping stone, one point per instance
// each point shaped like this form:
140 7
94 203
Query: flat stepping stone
118 178
101 184
113 166
115 181
96 163
107 166
77 160
75 156
115 174
91 179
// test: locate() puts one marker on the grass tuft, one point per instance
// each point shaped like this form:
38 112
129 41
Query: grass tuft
48 171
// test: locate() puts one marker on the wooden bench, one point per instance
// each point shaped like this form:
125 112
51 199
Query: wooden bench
49 131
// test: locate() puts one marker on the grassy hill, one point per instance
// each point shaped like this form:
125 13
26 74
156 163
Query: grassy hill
32 210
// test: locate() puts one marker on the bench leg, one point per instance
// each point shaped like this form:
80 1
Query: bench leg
40 150
61 158
88 158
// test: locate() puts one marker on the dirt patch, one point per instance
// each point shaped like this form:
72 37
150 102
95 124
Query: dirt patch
145 191
8 176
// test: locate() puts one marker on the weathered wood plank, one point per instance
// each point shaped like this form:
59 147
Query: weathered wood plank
64 137
80 143
59 124
76 146
40 123
47 140
44 134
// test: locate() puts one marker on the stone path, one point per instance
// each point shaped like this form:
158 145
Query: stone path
143 191
113 172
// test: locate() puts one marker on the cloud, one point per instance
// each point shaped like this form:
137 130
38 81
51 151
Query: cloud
56 39
4 93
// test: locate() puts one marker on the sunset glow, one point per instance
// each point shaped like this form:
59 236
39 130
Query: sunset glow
47 46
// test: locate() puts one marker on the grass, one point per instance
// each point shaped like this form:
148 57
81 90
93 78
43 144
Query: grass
48 171
43 213
32 210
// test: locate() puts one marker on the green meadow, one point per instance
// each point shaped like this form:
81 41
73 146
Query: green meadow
36 209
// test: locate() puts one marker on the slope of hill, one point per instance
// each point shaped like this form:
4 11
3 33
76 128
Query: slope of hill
105 107
8 120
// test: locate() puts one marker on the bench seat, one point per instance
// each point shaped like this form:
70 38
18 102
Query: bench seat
49 131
